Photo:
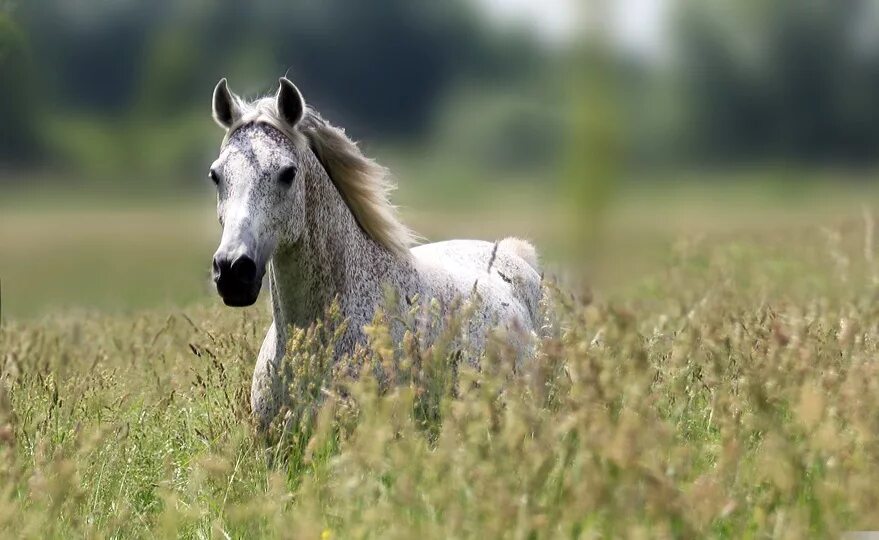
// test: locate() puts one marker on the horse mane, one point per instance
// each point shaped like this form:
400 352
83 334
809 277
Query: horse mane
365 185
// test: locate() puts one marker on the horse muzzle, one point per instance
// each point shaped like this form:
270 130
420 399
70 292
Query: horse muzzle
238 280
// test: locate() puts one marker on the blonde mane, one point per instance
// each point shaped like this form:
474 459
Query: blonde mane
364 184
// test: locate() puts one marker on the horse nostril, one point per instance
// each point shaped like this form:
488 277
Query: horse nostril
244 269
216 267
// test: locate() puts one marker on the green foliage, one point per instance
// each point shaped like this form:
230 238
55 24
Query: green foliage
136 148
516 133
734 395
592 163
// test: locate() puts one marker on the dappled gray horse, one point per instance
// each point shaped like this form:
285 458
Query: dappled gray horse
297 198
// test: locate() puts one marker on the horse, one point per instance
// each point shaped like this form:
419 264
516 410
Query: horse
299 201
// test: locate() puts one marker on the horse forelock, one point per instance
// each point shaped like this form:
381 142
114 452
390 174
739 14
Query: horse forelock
363 183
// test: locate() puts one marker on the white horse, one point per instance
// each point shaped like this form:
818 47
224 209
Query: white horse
296 197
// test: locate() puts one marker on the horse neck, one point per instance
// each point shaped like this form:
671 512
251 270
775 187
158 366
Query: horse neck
332 258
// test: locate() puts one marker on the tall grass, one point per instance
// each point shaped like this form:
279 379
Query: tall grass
735 394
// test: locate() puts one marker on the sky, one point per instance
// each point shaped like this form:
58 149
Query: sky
638 25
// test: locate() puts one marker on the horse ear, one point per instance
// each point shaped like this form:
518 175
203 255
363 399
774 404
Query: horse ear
225 103
291 104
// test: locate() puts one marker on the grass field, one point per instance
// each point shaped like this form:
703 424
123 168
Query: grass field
723 383
121 252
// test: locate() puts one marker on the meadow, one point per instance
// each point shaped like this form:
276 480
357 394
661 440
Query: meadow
718 379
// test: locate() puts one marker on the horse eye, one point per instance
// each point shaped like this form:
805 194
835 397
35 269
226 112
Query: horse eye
287 175
215 178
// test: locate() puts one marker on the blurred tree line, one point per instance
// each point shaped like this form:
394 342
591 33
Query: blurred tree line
793 80
125 85
117 89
